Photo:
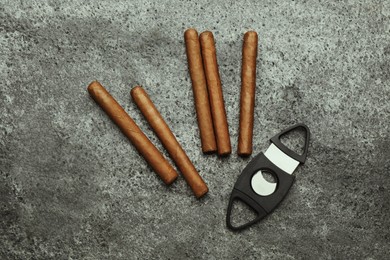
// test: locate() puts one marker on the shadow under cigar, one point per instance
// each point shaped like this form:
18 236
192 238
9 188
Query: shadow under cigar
209 152
245 156
203 198
224 155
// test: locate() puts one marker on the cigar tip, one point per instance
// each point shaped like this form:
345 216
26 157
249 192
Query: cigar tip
206 34
93 84
135 89
171 179
190 32
251 34
201 193
243 149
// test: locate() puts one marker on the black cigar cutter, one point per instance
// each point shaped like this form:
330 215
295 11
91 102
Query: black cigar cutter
252 189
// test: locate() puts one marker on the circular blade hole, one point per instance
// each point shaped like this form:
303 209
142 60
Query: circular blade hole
268 176
264 183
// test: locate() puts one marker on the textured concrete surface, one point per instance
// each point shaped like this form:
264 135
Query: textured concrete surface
72 186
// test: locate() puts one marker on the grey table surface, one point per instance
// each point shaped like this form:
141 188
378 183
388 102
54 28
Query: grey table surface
73 187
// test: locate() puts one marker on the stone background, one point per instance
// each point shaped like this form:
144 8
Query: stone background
73 187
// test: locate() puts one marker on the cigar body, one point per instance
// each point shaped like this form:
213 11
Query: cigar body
247 100
199 87
169 141
130 129
214 87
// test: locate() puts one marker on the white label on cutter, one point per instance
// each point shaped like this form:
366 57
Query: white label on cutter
280 159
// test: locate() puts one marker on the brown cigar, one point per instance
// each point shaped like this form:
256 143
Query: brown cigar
215 93
169 141
248 85
127 125
199 88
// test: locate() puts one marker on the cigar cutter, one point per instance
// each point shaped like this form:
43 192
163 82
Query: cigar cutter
256 192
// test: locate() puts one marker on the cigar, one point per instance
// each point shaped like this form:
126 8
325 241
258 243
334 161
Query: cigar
215 93
199 88
169 141
130 129
248 85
